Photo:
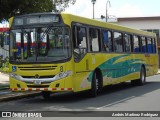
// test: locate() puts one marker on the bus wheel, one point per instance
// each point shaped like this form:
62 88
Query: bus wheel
142 79
95 85
46 94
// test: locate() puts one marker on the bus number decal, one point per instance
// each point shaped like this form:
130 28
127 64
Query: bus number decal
61 69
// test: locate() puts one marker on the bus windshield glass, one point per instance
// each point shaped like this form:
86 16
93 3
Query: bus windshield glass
41 44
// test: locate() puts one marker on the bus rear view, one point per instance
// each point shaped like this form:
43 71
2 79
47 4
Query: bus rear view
40 54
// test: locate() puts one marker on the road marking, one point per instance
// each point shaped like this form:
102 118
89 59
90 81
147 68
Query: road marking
116 102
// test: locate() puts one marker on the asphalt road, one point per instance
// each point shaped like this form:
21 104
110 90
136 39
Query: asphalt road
121 97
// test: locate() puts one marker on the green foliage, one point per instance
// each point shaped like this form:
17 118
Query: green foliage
9 8
4 64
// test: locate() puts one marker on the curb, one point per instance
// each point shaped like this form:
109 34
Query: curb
4 87
10 97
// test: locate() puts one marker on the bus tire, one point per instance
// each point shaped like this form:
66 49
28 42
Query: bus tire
96 85
46 94
93 91
141 81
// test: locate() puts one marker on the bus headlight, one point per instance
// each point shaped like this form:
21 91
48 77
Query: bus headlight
63 75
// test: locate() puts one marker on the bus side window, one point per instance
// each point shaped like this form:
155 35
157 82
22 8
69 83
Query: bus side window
94 35
136 44
118 42
127 40
144 44
79 42
149 41
107 41
154 45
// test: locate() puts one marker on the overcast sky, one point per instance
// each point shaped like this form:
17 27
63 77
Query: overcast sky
119 8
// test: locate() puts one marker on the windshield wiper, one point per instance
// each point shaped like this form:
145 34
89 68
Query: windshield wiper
46 32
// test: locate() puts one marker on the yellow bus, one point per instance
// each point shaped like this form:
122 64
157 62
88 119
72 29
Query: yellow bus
66 53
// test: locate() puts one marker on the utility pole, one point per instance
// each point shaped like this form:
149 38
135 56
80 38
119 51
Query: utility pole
93 1
108 2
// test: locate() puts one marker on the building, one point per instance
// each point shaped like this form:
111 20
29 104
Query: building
151 24
4 39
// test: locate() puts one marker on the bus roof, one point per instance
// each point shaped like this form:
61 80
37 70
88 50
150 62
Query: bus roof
73 18
69 18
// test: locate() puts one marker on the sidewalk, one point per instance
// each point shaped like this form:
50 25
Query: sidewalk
4 81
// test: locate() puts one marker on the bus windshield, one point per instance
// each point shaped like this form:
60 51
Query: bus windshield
41 44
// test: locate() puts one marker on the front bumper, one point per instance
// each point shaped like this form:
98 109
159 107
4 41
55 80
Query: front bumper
61 85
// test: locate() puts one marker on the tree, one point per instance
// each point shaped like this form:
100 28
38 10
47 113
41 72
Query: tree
11 8
60 5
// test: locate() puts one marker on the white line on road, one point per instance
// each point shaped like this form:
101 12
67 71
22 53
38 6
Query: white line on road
116 102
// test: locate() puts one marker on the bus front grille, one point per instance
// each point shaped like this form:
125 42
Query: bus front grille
38 68
38 86
48 76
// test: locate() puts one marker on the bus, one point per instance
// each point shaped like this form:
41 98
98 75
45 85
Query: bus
51 52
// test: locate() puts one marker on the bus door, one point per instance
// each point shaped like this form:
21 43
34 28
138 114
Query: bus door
81 58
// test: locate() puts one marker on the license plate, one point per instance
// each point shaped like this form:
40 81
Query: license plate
37 82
